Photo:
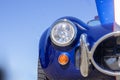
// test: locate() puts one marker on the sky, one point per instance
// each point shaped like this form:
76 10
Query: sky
22 22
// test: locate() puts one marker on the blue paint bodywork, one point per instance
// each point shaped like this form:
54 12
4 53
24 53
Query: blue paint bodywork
105 10
48 52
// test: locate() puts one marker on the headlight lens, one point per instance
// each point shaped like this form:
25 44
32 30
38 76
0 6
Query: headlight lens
63 32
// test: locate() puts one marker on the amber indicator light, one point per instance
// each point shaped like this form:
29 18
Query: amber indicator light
63 59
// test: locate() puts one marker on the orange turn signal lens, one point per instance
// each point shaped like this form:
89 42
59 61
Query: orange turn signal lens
63 59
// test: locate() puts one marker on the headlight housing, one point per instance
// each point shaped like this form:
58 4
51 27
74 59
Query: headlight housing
63 32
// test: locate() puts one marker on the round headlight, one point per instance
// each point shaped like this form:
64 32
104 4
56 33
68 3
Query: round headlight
63 33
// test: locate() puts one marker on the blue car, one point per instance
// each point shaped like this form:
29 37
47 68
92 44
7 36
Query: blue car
73 50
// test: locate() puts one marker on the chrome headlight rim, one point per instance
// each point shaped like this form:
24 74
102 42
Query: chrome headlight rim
73 26
108 72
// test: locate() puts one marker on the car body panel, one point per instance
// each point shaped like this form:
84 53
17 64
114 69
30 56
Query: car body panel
49 53
105 10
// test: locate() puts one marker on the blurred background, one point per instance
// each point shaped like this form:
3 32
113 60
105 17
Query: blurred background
22 22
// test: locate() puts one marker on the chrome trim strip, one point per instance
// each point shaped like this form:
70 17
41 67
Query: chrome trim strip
84 66
117 33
